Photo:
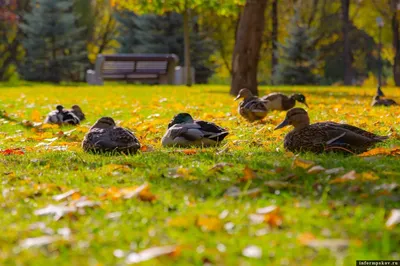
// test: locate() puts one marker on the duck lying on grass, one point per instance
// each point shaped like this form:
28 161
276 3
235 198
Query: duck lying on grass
105 136
62 116
76 110
251 108
183 131
281 102
379 101
325 136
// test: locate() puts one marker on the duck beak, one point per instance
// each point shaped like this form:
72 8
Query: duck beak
237 97
306 104
283 124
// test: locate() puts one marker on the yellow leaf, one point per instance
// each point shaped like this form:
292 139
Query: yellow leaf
36 116
207 223
299 162
248 174
394 218
350 176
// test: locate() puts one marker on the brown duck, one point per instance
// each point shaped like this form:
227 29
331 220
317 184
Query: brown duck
325 136
379 99
251 108
280 101
105 136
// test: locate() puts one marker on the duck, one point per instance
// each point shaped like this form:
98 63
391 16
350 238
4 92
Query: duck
78 112
377 100
105 136
251 108
325 136
184 131
281 102
61 116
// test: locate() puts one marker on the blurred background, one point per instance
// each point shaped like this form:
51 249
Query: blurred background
337 42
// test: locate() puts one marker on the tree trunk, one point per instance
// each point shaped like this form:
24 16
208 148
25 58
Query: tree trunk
348 75
247 47
274 36
186 39
396 44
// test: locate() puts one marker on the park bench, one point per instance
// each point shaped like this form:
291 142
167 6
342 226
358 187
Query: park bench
149 68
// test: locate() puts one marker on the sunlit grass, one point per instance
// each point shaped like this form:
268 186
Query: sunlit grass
355 210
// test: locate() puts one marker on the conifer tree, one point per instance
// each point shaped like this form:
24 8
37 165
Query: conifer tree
298 56
55 46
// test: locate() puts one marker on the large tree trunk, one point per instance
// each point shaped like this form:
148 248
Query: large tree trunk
186 39
247 47
274 36
396 44
348 75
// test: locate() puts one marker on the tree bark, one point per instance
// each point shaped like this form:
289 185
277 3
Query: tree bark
186 39
274 36
396 43
348 75
247 47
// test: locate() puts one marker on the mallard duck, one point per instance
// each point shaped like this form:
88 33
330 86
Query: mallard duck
61 116
378 101
105 136
78 112
183 131
279 101
251 108
325 136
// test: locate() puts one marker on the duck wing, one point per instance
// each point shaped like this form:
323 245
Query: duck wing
356 130
70 118
212 131
190 132
53 118
272 96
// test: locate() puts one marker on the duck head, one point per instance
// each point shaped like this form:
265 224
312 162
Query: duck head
300 98
181 118
76 108
379 92
244 93
104 122
296 117
60 108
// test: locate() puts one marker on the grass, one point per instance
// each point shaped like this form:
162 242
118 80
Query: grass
187 191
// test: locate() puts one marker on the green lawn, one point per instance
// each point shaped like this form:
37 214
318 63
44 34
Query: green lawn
191 209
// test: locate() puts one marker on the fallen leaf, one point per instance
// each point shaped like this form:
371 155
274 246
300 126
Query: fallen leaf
267 210
305 238
146 148
209 224
369 176
149 254
182 222
270 215
334 171
302 163
58 211
350 176
189 151
36 116
16 151
236 192
252 251
220 166
316 169
382 151
394 218
66 195
38 241
248 174
334 245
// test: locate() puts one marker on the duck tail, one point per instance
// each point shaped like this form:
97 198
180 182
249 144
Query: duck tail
219 136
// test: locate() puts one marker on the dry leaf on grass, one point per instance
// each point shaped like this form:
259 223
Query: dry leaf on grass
220 166
276 184
382 151
72 192
302 163
248 174
236 192
252 251
316 169
38 241
149 254
270 215
350 176
58 211
141 192
394 218
209 224
15 151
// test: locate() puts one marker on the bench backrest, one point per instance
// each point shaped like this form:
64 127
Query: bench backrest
120 65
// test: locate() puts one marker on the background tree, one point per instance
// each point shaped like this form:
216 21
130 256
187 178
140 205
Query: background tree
54 46
184 7
247 47
347 57
298 56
